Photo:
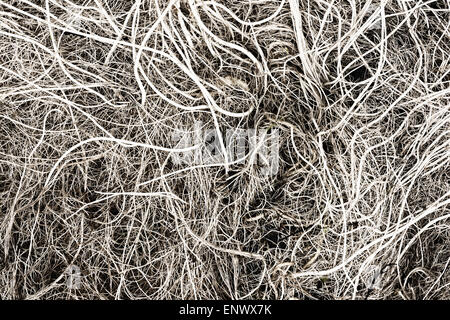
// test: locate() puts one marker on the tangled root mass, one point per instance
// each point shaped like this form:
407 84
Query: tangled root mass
93 91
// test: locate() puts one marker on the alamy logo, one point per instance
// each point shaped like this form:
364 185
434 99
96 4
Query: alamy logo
376 24
73 279
256 147
373 277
